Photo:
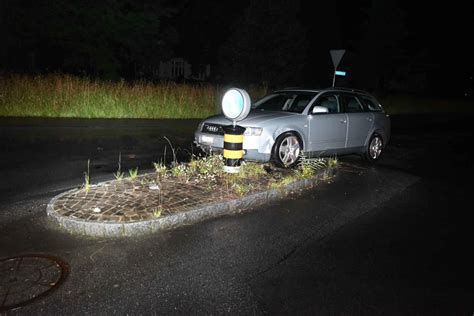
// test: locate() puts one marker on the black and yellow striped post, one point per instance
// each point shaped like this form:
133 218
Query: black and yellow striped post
233 147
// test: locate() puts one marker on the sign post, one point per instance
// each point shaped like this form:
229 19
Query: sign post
336 56
235 106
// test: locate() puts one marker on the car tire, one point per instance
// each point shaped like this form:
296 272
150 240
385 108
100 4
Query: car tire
374 148
287 149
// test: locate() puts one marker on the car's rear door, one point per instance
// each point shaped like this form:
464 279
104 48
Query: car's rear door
359 120
327 131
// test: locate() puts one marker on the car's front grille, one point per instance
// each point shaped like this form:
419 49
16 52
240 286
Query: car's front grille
215 129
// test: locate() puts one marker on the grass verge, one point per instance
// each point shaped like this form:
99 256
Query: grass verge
407 104
68 96
65 96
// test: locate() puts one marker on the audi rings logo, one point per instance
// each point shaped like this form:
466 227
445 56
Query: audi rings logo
213 129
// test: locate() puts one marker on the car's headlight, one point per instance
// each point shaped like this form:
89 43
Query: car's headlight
200 125
253 131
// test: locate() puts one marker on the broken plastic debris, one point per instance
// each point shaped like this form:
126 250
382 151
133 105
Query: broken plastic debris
97 210
154 187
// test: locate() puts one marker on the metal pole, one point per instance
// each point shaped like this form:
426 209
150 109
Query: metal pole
334 78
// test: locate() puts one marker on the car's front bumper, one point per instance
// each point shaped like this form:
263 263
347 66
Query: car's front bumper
251 146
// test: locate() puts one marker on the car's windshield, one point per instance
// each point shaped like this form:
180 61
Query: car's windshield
289 101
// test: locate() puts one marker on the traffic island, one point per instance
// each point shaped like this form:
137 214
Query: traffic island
181 195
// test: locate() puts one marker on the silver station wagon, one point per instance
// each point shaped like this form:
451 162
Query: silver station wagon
285 123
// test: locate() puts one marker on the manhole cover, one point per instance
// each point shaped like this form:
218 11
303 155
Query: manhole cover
28 277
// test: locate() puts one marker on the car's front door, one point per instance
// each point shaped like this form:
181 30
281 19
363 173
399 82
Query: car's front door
327 131
359 121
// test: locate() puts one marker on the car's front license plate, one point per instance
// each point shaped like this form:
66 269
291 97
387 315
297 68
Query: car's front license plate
207 139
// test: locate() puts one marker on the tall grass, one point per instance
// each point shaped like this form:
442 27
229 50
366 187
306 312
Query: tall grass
403 104
68 96
58 95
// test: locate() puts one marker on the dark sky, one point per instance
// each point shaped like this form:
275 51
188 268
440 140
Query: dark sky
439 28
434 39
388 42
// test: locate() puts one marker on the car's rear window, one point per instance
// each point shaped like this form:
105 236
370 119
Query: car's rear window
371 104
285 101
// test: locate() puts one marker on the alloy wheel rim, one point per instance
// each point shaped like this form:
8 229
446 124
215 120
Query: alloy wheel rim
289 150
375 147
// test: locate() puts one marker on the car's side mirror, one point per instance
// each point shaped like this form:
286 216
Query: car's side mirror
319 109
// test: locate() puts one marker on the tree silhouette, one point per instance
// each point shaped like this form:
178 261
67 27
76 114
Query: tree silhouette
380 50
103 38
267 44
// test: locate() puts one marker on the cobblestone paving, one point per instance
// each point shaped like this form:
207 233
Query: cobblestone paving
135 200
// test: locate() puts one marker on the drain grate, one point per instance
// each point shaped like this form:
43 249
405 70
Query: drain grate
28 277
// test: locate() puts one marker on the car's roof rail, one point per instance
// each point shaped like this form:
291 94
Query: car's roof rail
347 89
293 88
325 89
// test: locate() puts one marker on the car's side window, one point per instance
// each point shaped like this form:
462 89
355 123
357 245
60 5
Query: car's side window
371 104
275 103
300 102
329 101
352 104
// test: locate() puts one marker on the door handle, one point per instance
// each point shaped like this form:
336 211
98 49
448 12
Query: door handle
343 121
369 119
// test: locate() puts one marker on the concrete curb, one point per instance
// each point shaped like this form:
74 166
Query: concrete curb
128 229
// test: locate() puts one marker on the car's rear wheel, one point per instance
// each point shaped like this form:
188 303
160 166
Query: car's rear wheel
287 149
374 148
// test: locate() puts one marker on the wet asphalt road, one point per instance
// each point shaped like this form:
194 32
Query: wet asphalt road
390 239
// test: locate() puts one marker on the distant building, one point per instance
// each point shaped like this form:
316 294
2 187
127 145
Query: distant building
179 68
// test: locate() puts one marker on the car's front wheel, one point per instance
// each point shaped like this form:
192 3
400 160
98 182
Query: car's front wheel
374 148
287 149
